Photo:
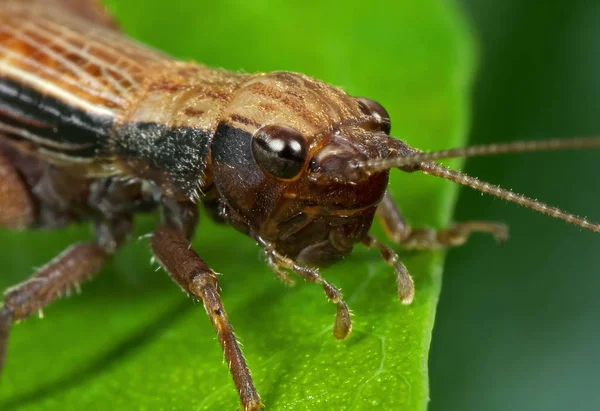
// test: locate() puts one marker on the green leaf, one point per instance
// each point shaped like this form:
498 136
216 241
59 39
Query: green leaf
132 340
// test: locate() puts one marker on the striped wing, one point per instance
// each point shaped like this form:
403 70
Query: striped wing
66 75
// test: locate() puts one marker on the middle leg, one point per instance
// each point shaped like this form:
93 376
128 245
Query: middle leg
75 265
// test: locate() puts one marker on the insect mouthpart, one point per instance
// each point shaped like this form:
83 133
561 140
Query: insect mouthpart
348 147
320 235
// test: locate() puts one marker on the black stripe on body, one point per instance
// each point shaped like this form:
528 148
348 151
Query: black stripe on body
233 146
239 179
50 123
180 153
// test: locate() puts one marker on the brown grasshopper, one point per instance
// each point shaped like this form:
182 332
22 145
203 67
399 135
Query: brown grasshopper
96 127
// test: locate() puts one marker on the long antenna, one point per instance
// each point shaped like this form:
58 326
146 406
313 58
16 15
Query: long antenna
415 158
460 178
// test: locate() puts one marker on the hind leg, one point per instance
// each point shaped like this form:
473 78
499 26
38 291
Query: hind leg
399 231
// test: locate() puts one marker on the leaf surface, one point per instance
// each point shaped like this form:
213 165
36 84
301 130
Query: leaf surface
132 340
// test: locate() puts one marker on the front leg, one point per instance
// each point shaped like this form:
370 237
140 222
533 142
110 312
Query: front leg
399 231
278 263
194 276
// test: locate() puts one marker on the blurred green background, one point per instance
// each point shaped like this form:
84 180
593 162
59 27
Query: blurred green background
517 326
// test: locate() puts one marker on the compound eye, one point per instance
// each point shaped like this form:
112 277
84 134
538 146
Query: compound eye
374 109
280 150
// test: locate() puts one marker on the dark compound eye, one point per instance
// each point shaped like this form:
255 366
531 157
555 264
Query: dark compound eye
280 150
376 110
